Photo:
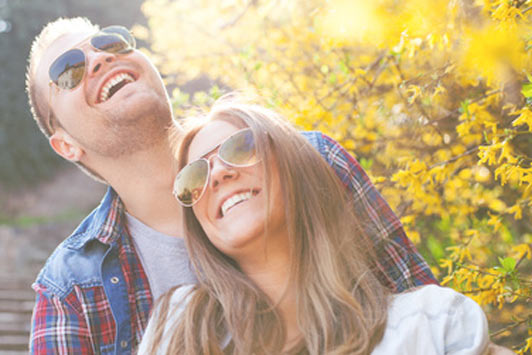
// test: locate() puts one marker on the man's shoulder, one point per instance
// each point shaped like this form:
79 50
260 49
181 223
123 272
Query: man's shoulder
67 267
77 260
314 137
327 146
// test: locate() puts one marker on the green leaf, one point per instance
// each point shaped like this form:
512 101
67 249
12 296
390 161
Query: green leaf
444 224
527 90
464 107
436 248
486 138
179 98
343 68
366 164
215 92
508 264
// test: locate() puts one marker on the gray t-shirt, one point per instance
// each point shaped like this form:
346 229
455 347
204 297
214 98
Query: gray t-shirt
164 258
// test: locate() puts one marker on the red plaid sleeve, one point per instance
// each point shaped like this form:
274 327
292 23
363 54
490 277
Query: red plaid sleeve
400 264
58 326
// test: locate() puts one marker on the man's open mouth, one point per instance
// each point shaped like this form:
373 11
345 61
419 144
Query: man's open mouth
113 84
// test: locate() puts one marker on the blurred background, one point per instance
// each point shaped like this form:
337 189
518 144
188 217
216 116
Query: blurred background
42 198
433 98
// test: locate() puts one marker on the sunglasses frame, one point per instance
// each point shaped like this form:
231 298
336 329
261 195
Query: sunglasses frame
208 162
119 31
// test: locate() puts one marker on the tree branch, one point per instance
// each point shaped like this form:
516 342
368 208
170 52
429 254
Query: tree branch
237 18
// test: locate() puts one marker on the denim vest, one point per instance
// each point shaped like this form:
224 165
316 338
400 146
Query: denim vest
89 258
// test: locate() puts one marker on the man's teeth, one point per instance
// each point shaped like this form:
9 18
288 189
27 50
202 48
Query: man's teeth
234 200
104 95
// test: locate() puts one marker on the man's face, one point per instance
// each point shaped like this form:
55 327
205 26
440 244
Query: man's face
107 123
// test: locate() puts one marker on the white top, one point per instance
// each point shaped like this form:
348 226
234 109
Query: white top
434 320
430 320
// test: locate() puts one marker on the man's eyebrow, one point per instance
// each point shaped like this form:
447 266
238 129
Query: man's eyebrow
85 39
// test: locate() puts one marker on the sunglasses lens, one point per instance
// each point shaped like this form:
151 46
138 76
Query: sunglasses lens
114 39
239 149
67 70
111 43
190 182
122 32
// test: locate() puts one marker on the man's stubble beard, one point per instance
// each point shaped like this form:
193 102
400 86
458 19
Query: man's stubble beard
130 132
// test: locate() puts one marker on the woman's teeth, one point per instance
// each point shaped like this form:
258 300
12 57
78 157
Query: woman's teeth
233 200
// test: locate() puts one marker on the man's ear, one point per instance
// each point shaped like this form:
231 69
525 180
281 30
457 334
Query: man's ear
66 146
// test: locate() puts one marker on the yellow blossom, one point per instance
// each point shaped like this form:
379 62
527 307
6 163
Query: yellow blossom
522 250
525 117
447 263
433 97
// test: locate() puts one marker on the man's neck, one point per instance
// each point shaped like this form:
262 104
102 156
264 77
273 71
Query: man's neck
144 183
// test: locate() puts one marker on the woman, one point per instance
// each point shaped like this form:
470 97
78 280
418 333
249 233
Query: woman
283 263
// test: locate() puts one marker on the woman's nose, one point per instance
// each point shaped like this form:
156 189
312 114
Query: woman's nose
220 172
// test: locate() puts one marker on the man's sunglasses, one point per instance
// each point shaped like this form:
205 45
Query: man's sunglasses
238 150
68 69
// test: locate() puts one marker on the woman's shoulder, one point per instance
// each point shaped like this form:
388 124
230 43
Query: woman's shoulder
181 295
430 299
178 300
166 312
434 302
434 319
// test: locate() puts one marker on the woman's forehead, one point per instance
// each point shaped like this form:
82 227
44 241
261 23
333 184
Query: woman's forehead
209 138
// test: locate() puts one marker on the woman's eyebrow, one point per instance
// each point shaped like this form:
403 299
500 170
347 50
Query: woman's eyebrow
209 152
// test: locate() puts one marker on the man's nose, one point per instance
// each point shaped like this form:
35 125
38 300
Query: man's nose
220 172
98 61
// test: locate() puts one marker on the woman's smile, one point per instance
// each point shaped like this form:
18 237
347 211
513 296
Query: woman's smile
236 199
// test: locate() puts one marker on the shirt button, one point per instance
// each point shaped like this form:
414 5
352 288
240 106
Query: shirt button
123 344
114 280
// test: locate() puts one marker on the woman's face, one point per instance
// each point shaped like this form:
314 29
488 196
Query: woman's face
232 210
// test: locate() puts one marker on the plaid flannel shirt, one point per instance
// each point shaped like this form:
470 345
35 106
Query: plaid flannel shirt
93 295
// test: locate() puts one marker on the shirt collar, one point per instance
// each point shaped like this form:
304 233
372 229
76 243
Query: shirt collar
104 224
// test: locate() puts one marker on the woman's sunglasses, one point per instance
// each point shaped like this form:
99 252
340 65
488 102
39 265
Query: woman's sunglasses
238 150
68 69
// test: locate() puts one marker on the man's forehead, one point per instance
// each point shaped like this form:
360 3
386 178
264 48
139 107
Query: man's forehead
68 41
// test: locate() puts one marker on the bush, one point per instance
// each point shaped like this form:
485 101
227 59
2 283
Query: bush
432 97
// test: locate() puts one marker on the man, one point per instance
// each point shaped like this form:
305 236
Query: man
103 106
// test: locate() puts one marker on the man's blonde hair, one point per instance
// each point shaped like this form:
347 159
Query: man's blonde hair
51 32
39 105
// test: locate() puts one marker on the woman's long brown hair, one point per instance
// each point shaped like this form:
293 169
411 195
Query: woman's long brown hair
341 305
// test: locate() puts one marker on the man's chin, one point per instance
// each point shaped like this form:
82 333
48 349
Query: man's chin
140 108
